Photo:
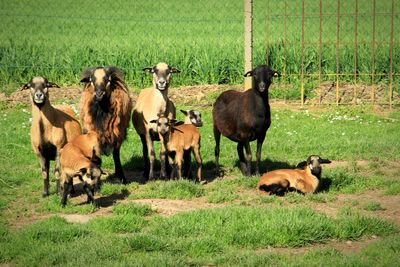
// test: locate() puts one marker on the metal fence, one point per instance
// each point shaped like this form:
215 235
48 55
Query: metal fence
330 51
347 50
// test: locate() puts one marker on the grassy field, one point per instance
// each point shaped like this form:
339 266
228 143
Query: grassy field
352 221
202 38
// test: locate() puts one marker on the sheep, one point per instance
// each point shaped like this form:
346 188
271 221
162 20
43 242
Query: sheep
152 101
244 117
81 158
178 139
52 127
305 178
192 117
105 108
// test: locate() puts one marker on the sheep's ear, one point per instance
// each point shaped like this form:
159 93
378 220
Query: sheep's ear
175 70
148 69
52 85
153 121
301 165
276 74
114 73
81 172
95 159
248 74
25 86
85 76
184 112
325 161
172 122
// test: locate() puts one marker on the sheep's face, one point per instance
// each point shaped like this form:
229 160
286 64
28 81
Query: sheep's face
101 82
162 75
91 176
39 88
193 116
163 124
262 77
314 163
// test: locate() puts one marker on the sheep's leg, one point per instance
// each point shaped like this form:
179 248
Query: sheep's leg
145 156
88 193
172 163
119 172
44 165
242 160
260 141
217 138
248 157
163 161
57 171
151 155
186 164
178 164
67 184
199 161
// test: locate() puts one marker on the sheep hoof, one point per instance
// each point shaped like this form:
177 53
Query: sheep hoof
45 194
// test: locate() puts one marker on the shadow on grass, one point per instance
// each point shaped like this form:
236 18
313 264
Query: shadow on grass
110 200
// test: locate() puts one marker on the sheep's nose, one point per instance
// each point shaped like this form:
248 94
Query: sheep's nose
39 95
162 82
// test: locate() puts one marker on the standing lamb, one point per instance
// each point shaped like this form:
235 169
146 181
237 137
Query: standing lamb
244 117
178 140
105 108
52 127
150 103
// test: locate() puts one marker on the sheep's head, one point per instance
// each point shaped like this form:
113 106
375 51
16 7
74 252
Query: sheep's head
262 77
164 124
91 176
314 163
39 87
162 75
102 79
193 116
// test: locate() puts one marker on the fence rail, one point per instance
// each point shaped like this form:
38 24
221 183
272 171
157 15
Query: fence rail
353 44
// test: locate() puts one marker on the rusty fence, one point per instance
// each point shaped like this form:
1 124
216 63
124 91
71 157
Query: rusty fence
333 51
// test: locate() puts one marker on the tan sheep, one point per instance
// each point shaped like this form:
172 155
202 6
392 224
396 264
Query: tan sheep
81 158
105 108
305 180
152 101
178 139
52 127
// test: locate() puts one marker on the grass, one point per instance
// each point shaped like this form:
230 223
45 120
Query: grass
58 40
245 228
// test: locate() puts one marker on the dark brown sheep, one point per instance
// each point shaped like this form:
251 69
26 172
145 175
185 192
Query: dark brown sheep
244 117
105 108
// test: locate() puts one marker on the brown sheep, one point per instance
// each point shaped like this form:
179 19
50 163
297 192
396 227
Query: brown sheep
305 179
81 158
244 117
105 108
152 101
178 139
52 127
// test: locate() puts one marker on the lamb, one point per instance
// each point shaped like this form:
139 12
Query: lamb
244 117
81 158
178 139
152 101
52 127
305 178
193 116
105 108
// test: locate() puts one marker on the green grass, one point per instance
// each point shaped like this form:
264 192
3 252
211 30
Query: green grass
241 231
58 40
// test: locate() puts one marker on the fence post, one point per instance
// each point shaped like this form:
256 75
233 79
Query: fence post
391 58
337 52
302 52
248 41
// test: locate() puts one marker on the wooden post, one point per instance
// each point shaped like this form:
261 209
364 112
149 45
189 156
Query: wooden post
248 41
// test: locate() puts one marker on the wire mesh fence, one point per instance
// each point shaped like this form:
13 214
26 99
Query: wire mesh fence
322 48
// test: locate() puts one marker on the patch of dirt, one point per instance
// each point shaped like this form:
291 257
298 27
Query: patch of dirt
169 207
